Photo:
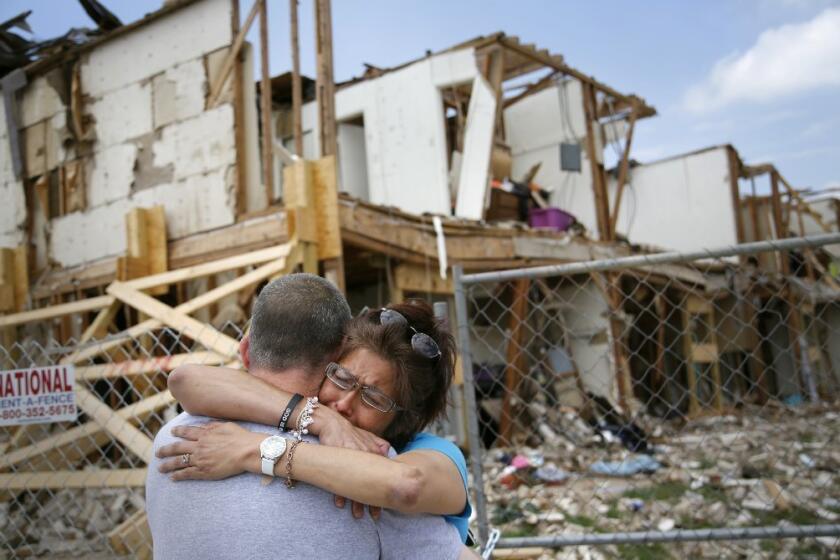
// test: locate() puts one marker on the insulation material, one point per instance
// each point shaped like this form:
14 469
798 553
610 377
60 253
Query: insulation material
455 68
122 114
111 174
198 145
39 102
198 203
74 240
184 35
682 203
34 140
178 93
588 338
546 118
12 211
352 165
478 141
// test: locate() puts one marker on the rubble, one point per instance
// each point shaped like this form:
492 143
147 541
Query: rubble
730 471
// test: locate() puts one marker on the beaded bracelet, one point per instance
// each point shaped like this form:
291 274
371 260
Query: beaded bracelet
305 419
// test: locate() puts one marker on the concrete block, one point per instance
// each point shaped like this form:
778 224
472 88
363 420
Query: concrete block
35 148
39 101
199 145
13 208
188 34
178 93
122 114
83 237
199 203
111 174
214 62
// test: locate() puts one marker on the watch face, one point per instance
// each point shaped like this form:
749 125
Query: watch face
272 447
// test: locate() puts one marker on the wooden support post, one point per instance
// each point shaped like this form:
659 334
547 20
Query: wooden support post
325 85
495 75
265 107
515 361
227 65
146 246
659 377
688 352
297 89
623 170
599 188
793 320
241 185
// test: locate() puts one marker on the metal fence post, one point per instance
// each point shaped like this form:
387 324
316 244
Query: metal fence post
476 452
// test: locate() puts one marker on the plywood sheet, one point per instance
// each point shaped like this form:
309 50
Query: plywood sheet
478 141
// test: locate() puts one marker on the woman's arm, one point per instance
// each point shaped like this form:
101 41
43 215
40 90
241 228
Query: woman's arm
236 395
422 481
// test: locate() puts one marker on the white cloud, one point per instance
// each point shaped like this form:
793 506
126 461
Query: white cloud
786 60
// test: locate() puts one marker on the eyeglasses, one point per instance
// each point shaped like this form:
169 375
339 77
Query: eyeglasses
371 396
422 343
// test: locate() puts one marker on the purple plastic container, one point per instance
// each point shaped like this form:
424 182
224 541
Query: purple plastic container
552 218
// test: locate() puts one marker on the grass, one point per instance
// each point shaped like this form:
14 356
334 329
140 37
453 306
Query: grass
795 515
707 463
614 512
582 520
670 491
644 552
519 531
713 494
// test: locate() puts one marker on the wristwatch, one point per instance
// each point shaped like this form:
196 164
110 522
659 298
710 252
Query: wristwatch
271 449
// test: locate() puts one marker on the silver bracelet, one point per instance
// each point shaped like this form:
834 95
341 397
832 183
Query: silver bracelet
305 419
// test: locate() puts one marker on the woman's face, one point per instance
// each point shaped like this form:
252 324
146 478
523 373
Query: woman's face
372 371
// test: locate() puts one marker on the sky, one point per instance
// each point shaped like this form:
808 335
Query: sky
763 75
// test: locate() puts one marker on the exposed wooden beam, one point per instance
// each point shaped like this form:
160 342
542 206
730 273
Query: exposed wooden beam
227 65
325 84
602 205
265 106
623 171
297 91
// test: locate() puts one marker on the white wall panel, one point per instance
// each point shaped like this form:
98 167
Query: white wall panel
185 35
478 142
122 114
198 145
112 174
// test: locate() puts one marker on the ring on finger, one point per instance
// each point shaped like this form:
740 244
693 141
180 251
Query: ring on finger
185 459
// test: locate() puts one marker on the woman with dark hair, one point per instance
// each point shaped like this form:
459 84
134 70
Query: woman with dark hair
390 380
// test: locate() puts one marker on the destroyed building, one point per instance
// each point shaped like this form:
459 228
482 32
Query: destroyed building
174 176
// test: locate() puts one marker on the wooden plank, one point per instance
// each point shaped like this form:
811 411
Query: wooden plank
120 428
265 107
691 375
186 325
325 192
704 353
515 356
110 478
623 170
21 277
324 79
602 205
697 306
216 88
297 89
77 442
195 304
716 378
420 279
81 306
132 537
7 280
131 368
241 178
157 248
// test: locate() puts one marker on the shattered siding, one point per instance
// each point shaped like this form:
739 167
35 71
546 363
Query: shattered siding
153 142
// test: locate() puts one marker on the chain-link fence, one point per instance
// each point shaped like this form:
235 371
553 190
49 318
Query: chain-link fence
660 406
76 489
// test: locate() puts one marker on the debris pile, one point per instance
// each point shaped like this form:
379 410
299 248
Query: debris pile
764 467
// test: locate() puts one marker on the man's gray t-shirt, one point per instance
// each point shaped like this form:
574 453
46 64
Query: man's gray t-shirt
239 517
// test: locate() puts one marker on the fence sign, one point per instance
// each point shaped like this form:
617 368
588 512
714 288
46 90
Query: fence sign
39 395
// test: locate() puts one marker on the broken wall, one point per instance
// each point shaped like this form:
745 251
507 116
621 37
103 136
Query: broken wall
682 203
404 134
151 138
535 129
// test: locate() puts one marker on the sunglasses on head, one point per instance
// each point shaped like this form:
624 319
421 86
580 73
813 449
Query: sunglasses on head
421 343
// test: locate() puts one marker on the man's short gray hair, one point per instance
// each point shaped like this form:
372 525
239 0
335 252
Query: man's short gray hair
298 321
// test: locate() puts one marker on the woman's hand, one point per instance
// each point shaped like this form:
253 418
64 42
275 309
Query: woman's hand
336 431
211 452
